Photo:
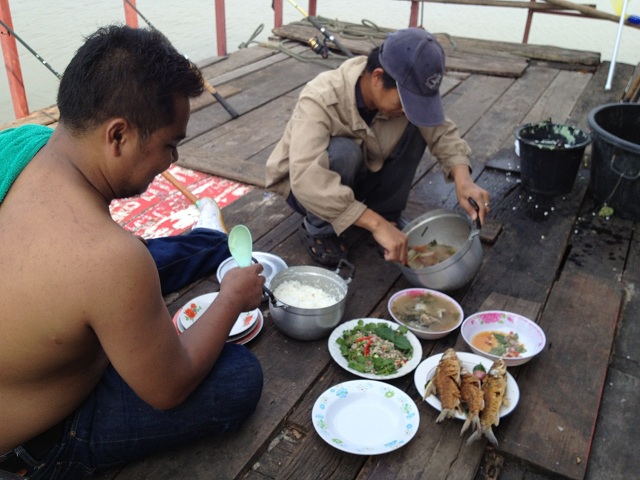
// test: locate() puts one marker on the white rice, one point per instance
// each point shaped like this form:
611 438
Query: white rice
296 294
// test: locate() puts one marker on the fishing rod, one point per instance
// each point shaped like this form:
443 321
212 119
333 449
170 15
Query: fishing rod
210 88
31 50
314 43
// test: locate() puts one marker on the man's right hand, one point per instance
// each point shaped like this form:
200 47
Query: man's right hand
243 287
389 237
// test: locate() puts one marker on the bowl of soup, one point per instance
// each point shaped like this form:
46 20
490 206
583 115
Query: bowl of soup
429 314
444 251
499 334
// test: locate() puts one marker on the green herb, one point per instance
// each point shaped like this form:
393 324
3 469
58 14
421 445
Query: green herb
508 345
357 344
479 367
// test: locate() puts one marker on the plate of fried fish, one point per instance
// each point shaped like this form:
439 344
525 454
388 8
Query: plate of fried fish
468 387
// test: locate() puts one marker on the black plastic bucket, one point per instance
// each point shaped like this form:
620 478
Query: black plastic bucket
615 157
550 156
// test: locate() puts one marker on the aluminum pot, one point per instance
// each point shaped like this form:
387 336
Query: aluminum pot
446 228
311 323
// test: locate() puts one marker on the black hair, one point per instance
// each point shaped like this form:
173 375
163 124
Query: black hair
125 72
373 62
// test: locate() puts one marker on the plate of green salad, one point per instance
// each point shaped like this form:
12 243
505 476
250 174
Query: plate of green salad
375 348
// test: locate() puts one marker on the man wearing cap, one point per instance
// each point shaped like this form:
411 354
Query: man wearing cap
354 141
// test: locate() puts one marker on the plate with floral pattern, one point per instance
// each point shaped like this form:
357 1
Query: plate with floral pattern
193 309
365 417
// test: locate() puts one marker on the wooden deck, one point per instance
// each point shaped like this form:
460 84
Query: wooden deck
552 259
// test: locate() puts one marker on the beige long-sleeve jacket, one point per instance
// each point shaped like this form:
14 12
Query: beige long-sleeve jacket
327 108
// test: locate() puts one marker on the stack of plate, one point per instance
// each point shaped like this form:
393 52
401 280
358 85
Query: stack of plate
247 326
272 264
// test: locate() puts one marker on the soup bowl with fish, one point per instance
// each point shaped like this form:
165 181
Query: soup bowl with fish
499 334
429 314
445 252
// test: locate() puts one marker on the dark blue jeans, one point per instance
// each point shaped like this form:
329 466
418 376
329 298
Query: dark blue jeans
114 426
183 259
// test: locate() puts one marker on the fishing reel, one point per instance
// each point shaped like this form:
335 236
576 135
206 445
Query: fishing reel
319 47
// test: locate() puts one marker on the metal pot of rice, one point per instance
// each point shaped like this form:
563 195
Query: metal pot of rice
306 303
434 233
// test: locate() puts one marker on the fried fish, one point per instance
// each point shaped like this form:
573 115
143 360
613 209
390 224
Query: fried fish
471 394
494 388
445 384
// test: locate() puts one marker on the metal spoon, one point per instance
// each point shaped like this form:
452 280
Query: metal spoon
241 245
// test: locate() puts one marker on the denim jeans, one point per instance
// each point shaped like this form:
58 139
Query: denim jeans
385 191
114 426
183 259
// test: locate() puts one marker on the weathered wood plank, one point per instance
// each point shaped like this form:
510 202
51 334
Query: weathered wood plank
498 122
559 98
564 383
255 66
528 51
455 60
525 259
228 150
238 60
256 91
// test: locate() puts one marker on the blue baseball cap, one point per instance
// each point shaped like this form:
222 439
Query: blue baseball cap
415 60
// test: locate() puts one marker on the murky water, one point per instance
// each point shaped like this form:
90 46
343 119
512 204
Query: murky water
55 29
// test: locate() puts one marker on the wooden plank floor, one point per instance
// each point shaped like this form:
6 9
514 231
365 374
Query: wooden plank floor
551 259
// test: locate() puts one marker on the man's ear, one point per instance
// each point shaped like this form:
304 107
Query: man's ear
377 77
117 134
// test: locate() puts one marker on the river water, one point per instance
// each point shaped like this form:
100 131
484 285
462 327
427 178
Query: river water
55 29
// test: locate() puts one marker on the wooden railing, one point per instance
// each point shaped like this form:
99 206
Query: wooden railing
16 84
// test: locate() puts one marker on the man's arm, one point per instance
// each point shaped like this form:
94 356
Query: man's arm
135 330
386 234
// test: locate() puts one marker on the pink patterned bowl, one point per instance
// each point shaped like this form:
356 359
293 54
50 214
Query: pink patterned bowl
498 334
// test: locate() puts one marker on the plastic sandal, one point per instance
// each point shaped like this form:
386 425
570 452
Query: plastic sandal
327 250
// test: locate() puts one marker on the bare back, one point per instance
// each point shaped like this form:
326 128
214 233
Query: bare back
79 292
52 238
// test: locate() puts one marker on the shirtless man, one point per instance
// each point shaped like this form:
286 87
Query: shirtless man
92 373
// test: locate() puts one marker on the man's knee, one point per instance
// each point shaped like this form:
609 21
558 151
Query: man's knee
345 158
249 379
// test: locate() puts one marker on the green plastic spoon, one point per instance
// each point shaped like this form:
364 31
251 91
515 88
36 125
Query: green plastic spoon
241 245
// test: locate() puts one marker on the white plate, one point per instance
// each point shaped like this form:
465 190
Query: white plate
240 339
272 264
246 338
365 417
427 369
334 349
193 309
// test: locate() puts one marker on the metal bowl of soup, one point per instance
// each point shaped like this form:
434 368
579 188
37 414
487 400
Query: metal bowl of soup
445 252
429 314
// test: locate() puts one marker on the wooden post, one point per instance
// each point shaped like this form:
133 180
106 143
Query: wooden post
130 15
527 26
221 28
12 63
312 8
277 13
413 16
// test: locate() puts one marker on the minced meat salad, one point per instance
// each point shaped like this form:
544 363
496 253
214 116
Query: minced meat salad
376 348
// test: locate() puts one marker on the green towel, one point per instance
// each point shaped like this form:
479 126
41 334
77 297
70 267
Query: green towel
17 147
